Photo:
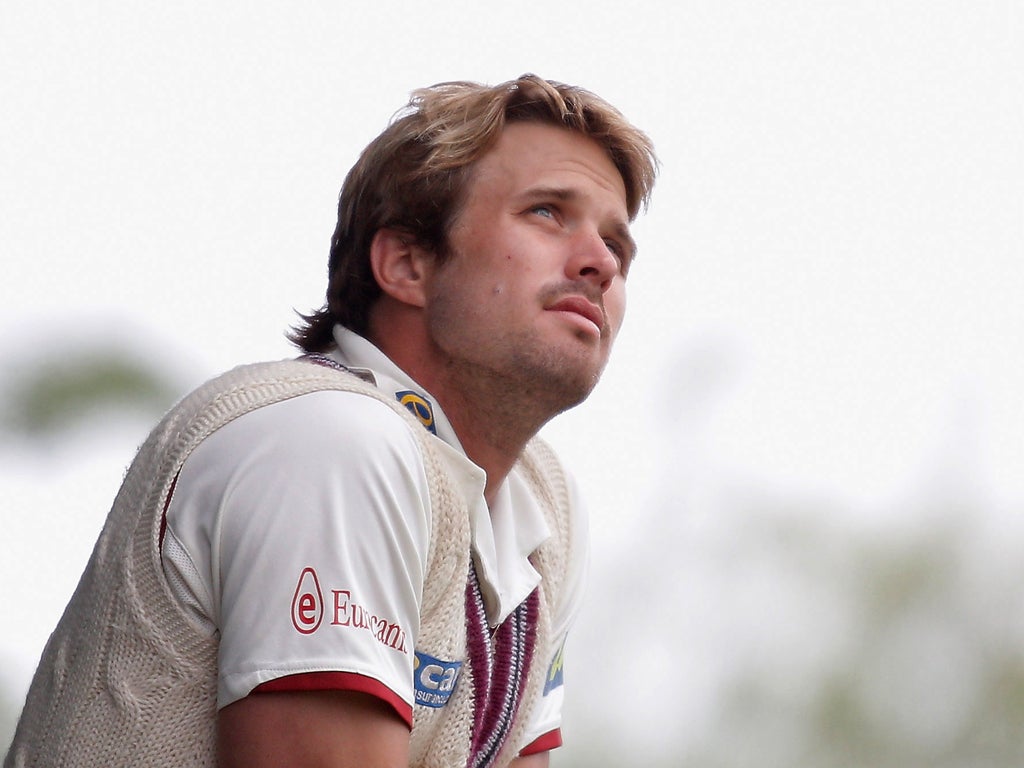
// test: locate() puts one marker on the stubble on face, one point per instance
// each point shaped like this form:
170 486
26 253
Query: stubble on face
511 367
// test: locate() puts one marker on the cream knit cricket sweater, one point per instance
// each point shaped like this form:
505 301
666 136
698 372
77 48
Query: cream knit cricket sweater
126 679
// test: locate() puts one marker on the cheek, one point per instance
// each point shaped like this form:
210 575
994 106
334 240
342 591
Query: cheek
615 305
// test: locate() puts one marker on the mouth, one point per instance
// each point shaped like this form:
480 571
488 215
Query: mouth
582 308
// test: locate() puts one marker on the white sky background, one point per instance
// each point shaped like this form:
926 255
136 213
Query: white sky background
828 295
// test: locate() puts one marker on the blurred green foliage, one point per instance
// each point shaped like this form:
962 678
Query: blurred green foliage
54 394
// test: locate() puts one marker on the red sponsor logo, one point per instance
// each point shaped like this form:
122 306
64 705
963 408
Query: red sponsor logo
348 613
308 603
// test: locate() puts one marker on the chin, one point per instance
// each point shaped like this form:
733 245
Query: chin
567 389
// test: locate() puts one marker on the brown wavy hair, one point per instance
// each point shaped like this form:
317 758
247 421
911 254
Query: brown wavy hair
413 176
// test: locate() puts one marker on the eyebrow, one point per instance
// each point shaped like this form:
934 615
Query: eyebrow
567 194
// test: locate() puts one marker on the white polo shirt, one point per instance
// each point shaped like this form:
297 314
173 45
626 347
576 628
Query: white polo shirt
299 532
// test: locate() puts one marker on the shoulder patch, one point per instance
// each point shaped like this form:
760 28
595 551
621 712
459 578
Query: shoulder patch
419 406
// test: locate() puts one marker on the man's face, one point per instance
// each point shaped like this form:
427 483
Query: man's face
533 293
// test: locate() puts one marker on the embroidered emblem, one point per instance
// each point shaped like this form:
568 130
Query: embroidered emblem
434 680
555 676
420 407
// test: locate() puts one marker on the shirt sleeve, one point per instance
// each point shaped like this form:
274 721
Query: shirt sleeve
306 525
544 731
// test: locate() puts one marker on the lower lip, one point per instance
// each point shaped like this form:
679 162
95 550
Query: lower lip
579 321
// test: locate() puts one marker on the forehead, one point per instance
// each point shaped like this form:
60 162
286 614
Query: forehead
528 154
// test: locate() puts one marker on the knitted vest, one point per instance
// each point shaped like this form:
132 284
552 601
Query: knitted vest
127 680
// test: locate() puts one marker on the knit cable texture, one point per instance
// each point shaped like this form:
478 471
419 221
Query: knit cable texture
126 679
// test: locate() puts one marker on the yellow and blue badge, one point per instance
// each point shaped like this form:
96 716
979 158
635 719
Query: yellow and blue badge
420 408
555 676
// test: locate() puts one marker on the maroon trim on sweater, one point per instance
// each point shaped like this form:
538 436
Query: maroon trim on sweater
547 742
338 681
500 665
167 504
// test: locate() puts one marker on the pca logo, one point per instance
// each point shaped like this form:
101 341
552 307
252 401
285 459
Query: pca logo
420 408
434 680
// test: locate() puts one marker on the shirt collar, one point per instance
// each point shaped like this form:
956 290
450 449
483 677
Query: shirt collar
364 358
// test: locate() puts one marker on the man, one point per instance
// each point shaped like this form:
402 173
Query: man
364 557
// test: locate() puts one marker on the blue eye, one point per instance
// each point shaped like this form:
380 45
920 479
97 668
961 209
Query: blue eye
543 210
621 254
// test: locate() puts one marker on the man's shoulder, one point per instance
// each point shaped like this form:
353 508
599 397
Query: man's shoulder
247 392
302 391
304 429
307 373
255 385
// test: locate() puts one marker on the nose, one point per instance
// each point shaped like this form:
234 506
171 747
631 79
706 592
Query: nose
592 260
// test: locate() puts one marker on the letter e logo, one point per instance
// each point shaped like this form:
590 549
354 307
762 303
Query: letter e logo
308 603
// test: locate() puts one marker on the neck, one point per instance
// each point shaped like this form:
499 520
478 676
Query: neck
494 414
493 420
492 426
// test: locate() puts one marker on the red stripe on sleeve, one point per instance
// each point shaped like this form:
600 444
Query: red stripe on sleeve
339 681
550 740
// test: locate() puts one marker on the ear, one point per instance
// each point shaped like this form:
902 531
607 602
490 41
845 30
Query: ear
400 266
